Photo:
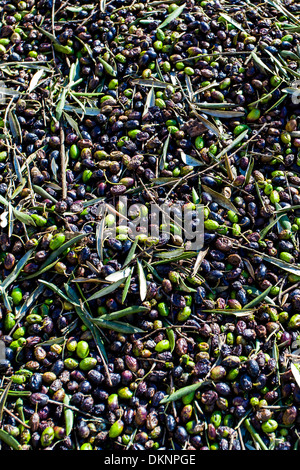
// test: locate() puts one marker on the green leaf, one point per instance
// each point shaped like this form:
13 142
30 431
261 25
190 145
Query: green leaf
59 292
9 440
23 217
117 326
55 254
124 312
150 82
182 392
188 160
106 290
61 104
169 254
258 299
18 268
35 80
116 276
295 369
131 253
172 16
150 101
260 64
233 144
231 20
126 286
222 114
264 232
162 160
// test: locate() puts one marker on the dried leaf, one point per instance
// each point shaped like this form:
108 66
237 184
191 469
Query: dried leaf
220 199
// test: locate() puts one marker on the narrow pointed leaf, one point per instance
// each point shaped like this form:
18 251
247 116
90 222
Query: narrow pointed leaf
142 280
106 290
172 16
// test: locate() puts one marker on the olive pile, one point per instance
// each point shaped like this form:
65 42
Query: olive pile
121 342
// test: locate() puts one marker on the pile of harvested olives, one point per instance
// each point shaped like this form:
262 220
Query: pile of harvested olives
119 342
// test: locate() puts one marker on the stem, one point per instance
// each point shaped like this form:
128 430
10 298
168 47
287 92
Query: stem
255 436
63 163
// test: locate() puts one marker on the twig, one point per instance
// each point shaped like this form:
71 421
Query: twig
63 162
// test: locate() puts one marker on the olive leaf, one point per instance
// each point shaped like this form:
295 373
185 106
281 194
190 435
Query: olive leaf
295 369
14 126
142 280
231 20
150 82
123 313
131 252
220 199
183 391
207 124
169 254
106 290
188 160
200 257
258 299
116 276
177 12
257 292
117 326
18 268
72 123
184 255
150 101
58 291
35 80
126 286
55 254
260 64
244 312
222 114
162 160
86 320
233 144
23 309
42 192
